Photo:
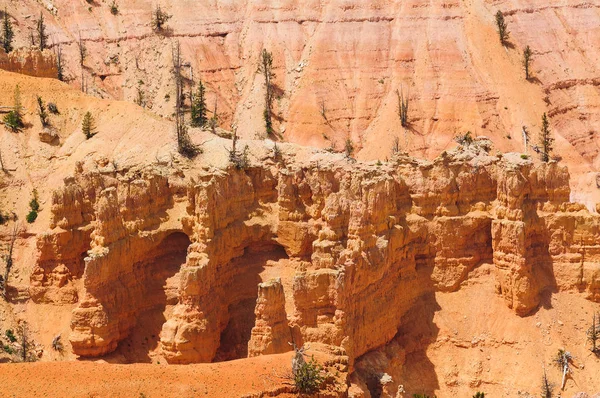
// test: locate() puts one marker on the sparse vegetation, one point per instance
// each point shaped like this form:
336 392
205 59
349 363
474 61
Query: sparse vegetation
465 139
308 377
8 260
83 52
159 19
546 141
239 159
42 36
422 396
88 125
547 386
349 148
26 345
42 112
323 110
198 111
185 146
503 32
60 65
7 32
114 8
479 395
57 345
34 207
140 96
266 68
276 151
14 119
593 333
402 108
562 360
396 146
524 157
213 122
527 61
53 108
10 335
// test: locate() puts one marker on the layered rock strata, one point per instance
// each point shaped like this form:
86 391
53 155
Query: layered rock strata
329 251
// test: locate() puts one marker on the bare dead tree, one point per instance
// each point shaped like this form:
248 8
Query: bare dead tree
547 386
59 63
185 146
8 258
563 360
2 162
82 56
298 360
396 146
265 67
214 120
402 107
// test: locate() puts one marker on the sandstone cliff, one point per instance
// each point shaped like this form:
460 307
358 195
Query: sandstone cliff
354 248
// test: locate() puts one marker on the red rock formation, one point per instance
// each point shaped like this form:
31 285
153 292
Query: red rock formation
354 245
271 333
29 62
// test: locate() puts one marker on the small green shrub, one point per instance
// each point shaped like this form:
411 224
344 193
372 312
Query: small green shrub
8 349
114 8
479 395
13 121
10 335
523 156
308 379
34 205
52 108
31 217
465 139
422 396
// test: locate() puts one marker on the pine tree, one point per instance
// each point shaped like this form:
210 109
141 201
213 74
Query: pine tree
266 68
60 65
14 119
547 387
88 126
213 123
502 27
402 108
7 33
199 107
185 145
42 112
546 140
41 33
527 61
593 333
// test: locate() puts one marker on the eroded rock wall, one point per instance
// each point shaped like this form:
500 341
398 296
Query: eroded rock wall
326 251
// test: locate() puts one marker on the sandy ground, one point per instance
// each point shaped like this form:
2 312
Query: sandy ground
475 343
88 379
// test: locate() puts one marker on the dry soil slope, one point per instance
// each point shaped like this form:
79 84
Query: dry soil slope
349 57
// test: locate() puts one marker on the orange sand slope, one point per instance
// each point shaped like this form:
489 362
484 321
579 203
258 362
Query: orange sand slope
86 379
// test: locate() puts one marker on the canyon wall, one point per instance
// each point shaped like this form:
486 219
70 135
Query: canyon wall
339 63
328 251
